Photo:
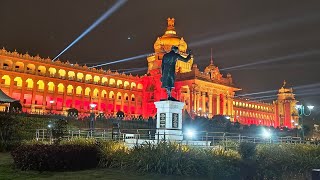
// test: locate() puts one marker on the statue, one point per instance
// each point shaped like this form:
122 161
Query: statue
168 69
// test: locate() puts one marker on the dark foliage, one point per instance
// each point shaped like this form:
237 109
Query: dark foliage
9 127
43 157
247 150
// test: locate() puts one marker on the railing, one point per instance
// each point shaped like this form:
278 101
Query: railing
138 136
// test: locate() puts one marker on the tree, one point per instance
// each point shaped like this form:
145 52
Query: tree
72 112
9 130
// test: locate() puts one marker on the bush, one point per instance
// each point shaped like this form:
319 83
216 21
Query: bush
171 159
287 160
44 157
9 128
247 150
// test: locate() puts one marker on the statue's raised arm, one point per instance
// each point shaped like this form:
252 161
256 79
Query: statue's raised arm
168 68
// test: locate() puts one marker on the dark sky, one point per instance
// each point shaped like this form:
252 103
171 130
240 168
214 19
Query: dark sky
283 34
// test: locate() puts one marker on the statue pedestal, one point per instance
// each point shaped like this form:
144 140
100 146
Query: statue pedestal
169 120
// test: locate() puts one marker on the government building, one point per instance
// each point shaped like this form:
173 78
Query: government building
44 86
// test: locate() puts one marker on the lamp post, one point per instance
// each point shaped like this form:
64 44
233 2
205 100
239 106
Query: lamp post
301 113
92 106
51 104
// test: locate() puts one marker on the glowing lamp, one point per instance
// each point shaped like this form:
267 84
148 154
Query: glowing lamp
92 105
310 107
266 133
190 133
51 101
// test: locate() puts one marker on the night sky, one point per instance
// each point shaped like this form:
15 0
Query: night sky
282 34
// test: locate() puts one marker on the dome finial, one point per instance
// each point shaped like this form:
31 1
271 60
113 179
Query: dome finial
284 83
170 22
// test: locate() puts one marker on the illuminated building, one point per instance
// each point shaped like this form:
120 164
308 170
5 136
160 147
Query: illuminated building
36 82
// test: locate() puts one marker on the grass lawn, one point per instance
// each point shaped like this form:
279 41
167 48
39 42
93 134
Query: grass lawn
7 171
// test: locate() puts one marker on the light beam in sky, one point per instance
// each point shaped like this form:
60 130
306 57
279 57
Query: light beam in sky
122 60
104 16
251 31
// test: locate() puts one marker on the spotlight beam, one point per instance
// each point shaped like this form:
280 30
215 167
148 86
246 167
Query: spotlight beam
282 58
122 60
95 24
308 87
255 30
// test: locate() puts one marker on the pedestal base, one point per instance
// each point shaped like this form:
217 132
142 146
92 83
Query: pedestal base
169 120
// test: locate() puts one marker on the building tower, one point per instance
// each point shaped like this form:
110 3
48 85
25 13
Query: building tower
163 45
286 114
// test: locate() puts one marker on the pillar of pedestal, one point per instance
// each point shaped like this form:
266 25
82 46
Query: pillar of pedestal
169 120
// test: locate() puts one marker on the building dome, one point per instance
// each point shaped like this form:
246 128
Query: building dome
165 42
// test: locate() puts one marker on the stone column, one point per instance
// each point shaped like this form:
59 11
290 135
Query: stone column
203 102
129 103
99 100
23 89
11 87
198 101
218 104
194 101
229 100
122 102
224 104
189 102
210 105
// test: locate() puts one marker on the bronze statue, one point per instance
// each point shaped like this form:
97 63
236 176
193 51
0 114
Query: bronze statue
168 69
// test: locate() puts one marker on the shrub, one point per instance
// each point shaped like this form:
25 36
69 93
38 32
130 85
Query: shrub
9 128
287 160
171 159
113 154
44 157
247 150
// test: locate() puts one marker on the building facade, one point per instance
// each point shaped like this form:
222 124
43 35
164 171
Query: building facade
45 86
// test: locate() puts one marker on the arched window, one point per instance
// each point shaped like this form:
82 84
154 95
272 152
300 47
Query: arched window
79 90
60 88
111 95
95 92
126 97
29 83
104 81
87 91
88 78
52 71
18 81
62 73
126 84
96 79
19 66
42 70
40 84
133 85
79 77
70 89
119 83
112 82
103 93
132 97
31 68
71 75
51 86
119 95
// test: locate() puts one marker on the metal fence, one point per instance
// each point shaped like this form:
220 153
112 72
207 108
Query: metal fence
138 136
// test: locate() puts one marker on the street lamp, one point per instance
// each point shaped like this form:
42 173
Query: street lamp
301 113
51 104
92 106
